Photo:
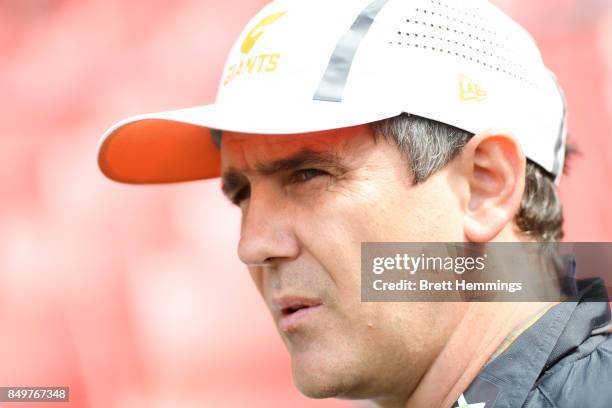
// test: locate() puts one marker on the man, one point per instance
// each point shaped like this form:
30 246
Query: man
338 123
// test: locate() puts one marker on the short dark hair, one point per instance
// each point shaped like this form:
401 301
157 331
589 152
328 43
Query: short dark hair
429 145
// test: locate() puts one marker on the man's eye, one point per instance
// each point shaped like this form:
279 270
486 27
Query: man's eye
241 195
304 175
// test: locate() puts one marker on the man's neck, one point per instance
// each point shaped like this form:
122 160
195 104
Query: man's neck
475 340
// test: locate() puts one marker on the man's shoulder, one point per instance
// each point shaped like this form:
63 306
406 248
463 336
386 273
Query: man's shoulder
583 378
563 360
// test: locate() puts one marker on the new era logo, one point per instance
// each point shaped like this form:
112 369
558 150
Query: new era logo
470 90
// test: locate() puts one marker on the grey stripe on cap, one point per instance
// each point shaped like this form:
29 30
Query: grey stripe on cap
332 85
559 152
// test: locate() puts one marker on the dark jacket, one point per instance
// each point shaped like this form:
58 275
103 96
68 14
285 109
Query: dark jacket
564 360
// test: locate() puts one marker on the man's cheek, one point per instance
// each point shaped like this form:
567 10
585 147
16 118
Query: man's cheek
336 245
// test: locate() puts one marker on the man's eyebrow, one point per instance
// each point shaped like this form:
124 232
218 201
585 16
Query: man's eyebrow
303 158
234 178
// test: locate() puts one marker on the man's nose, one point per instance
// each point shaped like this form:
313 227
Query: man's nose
267 235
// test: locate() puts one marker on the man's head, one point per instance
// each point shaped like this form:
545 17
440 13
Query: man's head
308 201
309 66
325 145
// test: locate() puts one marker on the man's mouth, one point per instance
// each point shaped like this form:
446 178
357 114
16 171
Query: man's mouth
295 311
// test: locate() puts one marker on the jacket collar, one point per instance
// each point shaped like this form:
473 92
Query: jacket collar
507 380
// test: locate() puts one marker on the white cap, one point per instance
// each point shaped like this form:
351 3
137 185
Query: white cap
310 65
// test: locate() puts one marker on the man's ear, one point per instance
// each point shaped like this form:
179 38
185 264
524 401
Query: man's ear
494 168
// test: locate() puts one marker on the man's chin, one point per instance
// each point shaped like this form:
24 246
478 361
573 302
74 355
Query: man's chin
316 391
323 378
318 388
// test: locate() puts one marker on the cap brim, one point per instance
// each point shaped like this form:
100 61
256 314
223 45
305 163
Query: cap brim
176 146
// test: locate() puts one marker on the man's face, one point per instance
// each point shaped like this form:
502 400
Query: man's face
308 202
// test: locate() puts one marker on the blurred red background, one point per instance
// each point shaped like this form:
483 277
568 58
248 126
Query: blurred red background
133 296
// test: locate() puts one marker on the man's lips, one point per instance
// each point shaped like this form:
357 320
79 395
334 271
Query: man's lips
293 311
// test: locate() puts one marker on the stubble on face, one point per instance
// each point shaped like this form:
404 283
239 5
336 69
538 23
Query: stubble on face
344 348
